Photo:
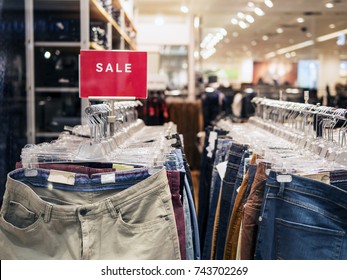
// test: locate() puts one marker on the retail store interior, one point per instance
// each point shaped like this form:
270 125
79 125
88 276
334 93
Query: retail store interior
205 59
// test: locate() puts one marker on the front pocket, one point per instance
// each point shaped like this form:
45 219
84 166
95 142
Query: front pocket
295 241
143 226
19 216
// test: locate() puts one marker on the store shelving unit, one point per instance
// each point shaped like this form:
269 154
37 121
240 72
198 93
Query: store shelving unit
120 34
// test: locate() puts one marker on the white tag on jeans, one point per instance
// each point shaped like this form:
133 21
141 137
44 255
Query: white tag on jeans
62 177
108 178
211 140
222 168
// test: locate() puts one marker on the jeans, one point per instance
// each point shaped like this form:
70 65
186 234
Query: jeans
223 145
251 212
236 215
40 219
235 156
303 219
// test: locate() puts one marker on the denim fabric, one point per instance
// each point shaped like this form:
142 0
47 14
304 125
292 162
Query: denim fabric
188 224
239 178
174 183
204 190
251 212
189 197
223 146
304 219
235 156
236 215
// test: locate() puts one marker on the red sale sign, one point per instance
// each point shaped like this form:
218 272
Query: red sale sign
113 74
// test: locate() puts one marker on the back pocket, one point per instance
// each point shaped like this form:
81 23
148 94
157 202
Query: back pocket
19 216
296 241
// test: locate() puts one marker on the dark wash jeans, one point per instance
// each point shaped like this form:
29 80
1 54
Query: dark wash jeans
235 156
302 220
223 145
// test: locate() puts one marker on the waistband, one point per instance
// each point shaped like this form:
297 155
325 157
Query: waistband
155 183
310 187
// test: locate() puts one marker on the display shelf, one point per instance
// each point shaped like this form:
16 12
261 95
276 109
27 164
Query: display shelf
128 19
99 13
57 89
57 44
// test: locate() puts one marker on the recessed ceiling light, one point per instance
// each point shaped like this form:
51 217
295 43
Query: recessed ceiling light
243 25
184 9
308 35
293 54
332 26
254 43
265 37
269 3
300 20
279 30
249 18
241 15
235 34
234 21
259 11
329 5
250 4
287 55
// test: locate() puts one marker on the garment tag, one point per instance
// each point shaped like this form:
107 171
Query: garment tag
284 178
211 140
30 172
62 177
122 167
222 168
108 178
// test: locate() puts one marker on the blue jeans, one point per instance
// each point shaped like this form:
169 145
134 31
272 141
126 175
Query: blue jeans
223 146
194 230
304 219
235 156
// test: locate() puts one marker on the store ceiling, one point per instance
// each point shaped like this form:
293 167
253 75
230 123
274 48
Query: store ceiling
262 39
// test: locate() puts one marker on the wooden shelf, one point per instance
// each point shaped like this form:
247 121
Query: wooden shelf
95 46
99 13
129 20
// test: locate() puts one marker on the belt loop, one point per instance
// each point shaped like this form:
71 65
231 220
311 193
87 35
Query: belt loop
111 208
280 192
48 212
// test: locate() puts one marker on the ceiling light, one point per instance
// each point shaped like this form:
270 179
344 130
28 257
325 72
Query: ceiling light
235 34
279 30
332 26
250 4
308 35
184 9
300 20
234 21
254 43
243 25
249 18
265 37
269 3
293 54
259 11
331 35
159 21
287 55
270 55
329 5
295 47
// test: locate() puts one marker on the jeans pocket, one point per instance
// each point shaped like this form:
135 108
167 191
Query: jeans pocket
295 241
148 224
19 216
